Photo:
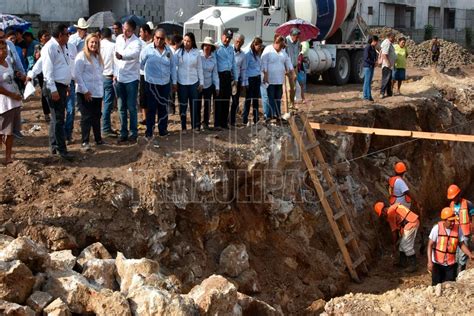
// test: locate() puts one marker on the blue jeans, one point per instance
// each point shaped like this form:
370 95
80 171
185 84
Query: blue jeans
275 93
70 111
157 100
109 97
265 102
127 103
188 94
368 76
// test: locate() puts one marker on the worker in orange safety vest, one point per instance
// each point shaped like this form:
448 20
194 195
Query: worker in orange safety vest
398 188
464 210
404 224
445 238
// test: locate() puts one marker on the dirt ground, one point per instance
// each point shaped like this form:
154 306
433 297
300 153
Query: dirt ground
38 180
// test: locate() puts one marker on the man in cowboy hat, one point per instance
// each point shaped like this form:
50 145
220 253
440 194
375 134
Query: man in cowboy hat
78 38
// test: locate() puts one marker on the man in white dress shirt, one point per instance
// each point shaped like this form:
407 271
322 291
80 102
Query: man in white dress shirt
126 76
57 76
107 50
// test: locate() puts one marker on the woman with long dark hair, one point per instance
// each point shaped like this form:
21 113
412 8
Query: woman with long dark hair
254 70
190 81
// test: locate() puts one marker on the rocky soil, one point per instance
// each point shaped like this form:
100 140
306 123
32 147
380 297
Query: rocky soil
450 298
223 216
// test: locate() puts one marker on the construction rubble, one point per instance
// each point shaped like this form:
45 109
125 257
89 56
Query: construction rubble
452 54
35 282
449 298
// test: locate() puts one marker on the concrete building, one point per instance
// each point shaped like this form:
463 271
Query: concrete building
152 10
48 10
450 18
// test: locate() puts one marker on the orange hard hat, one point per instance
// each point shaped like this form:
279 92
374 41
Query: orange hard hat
378 207
453 191
447 213
400 167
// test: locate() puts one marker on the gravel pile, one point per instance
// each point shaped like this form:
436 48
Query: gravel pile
452 55
382 33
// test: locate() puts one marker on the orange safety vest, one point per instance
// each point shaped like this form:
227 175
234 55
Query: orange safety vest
393 197
405 213
464 220
446 245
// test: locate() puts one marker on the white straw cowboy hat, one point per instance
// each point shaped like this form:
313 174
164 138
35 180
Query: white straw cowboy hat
81 24
150 24
208 41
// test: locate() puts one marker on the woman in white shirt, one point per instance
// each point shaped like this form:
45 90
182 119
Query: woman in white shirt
190 81
88 70
211 78
276 64
10 103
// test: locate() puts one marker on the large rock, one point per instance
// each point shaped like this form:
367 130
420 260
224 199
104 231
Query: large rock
12 309
16 281
234 260
247 282
38 301
252 306
5 240
25 250
107 302
169 283
216 296
148 301
57 239
57 308
94 251
101 272
127 268
62 260
72 288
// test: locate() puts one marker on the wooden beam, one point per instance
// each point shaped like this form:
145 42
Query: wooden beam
393 132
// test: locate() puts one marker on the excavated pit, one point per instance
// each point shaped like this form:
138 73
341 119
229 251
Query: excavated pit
184 207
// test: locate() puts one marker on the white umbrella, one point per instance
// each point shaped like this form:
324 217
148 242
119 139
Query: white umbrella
102 19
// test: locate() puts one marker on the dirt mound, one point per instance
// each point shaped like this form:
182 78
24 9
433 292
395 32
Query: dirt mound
382 33
447 298
452 55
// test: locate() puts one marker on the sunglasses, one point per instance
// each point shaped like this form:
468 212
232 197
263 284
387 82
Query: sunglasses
160 38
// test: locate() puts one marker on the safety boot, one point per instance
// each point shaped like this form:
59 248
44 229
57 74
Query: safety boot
402 260
412 267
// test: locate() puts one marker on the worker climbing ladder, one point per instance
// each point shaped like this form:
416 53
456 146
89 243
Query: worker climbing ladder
345 237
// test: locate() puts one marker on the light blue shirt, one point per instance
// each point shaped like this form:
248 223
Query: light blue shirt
241 63
209 68
14 57
226 60
399 189
75 40
254 64
159 68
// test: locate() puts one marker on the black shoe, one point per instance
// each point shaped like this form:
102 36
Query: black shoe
165 134
110 134
122 140
371 99
100 142
133 139
66 156
53 152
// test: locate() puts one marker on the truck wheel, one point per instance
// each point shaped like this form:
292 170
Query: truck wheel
357 67
340 74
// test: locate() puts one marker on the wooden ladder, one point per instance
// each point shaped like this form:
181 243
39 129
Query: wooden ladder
346 238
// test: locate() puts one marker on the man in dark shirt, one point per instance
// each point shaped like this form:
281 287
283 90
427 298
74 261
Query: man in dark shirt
370 60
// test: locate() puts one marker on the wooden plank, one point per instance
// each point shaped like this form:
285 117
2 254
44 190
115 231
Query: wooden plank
358 261
393 132
339 215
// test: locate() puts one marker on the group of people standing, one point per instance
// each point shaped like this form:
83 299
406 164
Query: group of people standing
392 58
93 72
450 240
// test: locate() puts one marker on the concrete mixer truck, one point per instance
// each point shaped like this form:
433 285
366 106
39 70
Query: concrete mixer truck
337 52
